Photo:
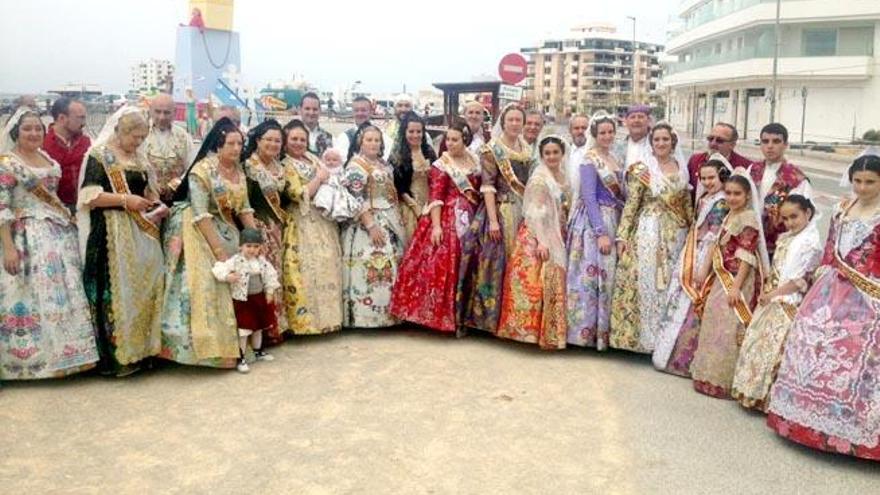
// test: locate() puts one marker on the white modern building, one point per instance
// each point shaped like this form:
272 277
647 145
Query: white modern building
827 72
151 75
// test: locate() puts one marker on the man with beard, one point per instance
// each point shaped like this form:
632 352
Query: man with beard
402 104
66 143
577 127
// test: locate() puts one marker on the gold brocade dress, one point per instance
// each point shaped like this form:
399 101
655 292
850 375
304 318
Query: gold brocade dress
654 226
410 215
312 279
198 320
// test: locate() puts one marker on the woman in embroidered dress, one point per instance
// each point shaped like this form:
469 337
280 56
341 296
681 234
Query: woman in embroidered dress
533 299
798 252
45 327
652 231
505 165
198 320
680 326
123 274
312 279
372 242
739 261
592 258
825 395
427 283
271 188
412 161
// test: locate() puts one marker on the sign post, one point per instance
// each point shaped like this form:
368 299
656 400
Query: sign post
512 68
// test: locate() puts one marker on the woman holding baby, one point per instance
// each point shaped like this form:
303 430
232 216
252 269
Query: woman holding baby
312 256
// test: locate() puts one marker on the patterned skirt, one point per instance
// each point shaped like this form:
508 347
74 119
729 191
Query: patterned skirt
533 302
45 325
590 280
482 267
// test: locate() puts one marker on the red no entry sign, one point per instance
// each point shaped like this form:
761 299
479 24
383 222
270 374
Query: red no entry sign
512 68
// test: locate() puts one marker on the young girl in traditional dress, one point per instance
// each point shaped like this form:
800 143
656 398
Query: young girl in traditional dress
681 323
825 395
592 259
533 299
427 285
253 283
798 252
739 260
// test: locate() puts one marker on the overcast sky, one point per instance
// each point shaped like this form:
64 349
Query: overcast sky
384 43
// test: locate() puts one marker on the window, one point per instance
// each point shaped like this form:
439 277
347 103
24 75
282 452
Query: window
740 42
819 42
855 41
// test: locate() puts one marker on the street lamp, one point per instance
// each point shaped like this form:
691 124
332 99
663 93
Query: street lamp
778 40
633 19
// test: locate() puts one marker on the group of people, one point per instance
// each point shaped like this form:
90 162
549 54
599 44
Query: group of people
712 265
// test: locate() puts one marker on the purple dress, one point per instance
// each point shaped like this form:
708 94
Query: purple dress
590 275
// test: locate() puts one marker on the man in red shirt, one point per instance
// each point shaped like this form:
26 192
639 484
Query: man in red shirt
67 145
722 140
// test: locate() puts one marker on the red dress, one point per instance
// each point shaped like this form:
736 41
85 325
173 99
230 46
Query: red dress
427 280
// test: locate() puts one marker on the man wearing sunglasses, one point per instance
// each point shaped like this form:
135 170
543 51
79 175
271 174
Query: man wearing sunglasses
776 179
722 140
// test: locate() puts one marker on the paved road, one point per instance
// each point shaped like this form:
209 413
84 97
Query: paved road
394 411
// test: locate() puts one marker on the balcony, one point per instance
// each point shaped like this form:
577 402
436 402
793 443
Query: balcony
790 68
745 14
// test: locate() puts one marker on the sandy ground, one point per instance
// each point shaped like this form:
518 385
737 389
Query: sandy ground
393 411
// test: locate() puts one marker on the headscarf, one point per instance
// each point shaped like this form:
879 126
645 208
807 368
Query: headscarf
212 142
869 151
715 157
497 129
256 134
7 144
657 175
601 115
757 207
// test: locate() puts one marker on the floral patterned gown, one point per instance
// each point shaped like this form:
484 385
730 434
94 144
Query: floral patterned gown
826 394
797 256
590 274
312 278
368 272
722 328
680 327
504 172
123 274
198 320
45 326
269 192
654 225
533 299
426 287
